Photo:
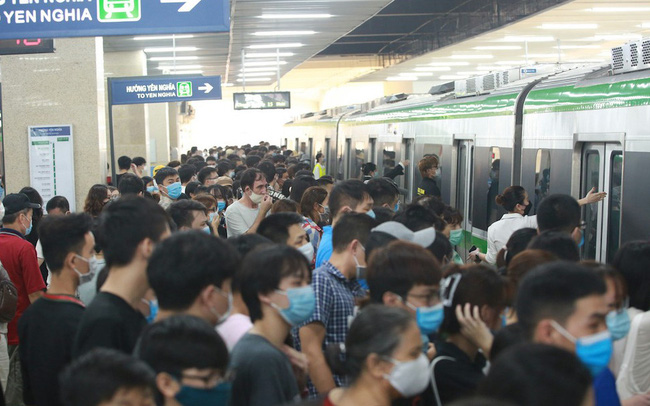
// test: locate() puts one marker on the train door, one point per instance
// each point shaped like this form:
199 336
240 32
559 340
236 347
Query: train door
346 159
464 188
328 156
408 145
602 168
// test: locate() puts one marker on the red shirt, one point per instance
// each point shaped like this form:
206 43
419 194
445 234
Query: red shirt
18 257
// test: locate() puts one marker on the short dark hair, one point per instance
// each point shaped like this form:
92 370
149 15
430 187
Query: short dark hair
383 191
285 206
124 162
58 202
552 290
323 181
210 158
205 173
350 227
249 177
347 193
202 346
558 213
223 168
164 173
252 160
478 285
314 194
518 242
97 376
537 375
268 169
557 243
263 269
299 185
417 217
60 235
185 172
398 267
181 212
191 187
367 168
632 261
130 184
139 161
441 248
125 223
275 227
185 264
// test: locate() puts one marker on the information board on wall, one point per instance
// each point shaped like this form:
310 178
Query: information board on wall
51 162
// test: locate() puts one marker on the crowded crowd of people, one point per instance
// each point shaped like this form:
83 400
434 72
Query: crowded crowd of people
245 276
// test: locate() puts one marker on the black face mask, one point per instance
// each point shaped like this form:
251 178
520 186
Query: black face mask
527 209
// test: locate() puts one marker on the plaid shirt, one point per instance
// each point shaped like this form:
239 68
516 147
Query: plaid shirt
335 303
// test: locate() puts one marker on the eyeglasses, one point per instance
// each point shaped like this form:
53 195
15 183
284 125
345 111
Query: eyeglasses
209 381
429 298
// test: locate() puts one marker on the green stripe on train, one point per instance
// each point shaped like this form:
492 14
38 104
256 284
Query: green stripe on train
598 97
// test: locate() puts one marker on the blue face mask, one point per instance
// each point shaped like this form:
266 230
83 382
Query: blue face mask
371 213
429 318
152 189
302 303
455 236
153 310
29 229
425 343
212 216
174 190
594 351
207 230
217 396
221 206
396 208
582 240
618 323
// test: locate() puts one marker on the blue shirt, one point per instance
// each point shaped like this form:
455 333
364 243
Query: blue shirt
605 389
325 247
335 301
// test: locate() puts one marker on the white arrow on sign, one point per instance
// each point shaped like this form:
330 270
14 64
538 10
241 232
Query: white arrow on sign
207 88
188 6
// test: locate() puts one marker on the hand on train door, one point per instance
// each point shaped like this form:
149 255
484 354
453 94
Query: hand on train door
592 197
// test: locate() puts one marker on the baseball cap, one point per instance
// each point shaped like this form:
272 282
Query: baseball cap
224 181
16 202
157 168
423 238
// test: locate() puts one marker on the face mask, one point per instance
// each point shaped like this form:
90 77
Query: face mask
455 236
582 240
222 317
232 174
618 323
153 309
308 251
92 269
152 189
174 190
396 208
527 209
207 230
429 318
411 377
217 396
302 302
213 216
221 206
371 213
29 228
361 269
594 351
255 198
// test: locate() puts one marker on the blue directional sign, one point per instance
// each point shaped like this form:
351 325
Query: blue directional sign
164 89
93 18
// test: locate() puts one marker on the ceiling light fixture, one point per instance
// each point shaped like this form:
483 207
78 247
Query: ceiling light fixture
617 37
577 47
169 49
269 63
526 38
272 46
510 63
179 67
173 58
449 64
158 37
472 56
294 16
254 80
568 26
401 78
645 26
433 69
253 74
498 48
186 72
452 77
418 74
268 54
619 9
255 69
282 33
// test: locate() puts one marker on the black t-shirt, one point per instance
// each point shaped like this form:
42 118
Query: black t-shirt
109 322
457 377
46 331
428 187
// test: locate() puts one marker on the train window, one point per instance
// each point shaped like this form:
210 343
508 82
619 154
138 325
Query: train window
591 179
388 158
493 185
614 215
358 160
462 178
542 176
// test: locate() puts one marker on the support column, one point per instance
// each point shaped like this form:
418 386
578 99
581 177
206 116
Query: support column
64 88
158 134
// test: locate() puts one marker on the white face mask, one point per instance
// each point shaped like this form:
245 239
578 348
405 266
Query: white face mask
222 317
409 378
255 198
92 269
308 251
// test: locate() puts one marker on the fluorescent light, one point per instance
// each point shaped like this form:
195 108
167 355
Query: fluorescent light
179 67
269 63
472 56
418 74
433 69
253 74
272 46
577 47
281 33
617 37
510 63
645 26
498 48
173 58
550 55
472 73
401 78
170 49
293 16
568 26
156 37
254 80
186 72
452 77
618 9
526 38
268 54
255 69
449 64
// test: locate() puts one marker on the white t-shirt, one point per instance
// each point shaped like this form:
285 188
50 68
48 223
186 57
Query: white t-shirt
500 232
234 328
239 219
